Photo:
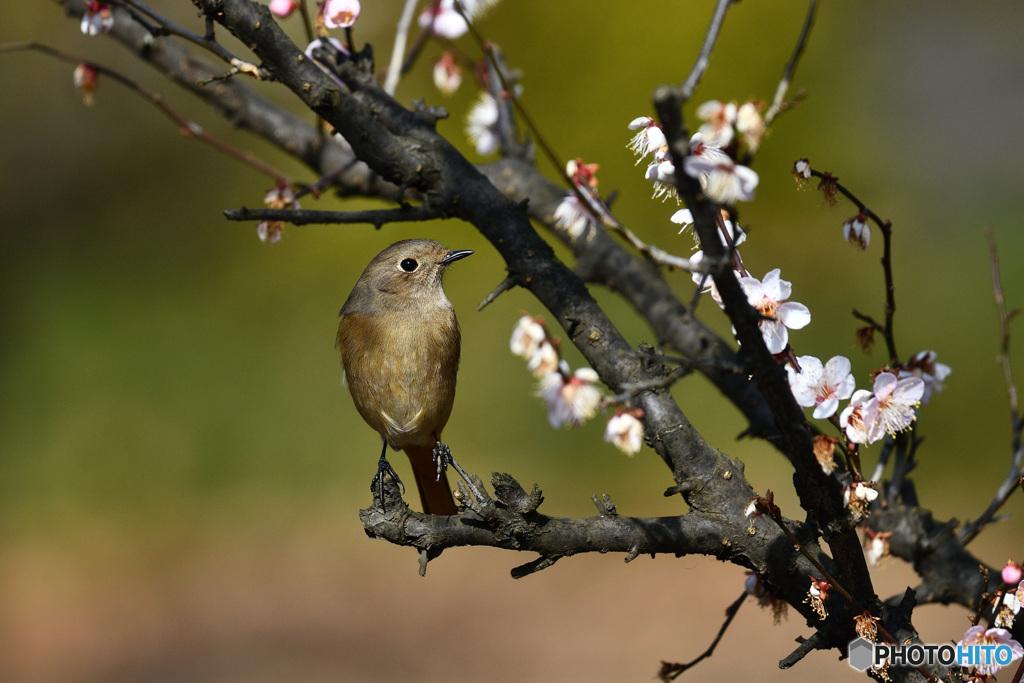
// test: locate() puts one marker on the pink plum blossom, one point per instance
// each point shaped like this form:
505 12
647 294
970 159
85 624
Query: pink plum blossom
892 409
340 13
933 374
821 386
1012 573
852 417
979 635
283 8
771 298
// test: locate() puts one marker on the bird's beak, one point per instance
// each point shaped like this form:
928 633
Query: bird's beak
454 256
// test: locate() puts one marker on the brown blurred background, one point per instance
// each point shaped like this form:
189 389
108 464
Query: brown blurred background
181 469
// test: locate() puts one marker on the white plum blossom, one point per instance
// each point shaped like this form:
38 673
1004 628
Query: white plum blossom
857 232
482 124
821 386
527 337
445 21
571 400
649 138
277 197
852 417
544 360
318 44
97 18
530 341
933 374
704 149
802 169
876 547
720 118
703 279
626 432
892 409
771 298
857 497
979 635
662 172
736 233
724 181
750 125
447 74
86 80
572 216
340 13
858 491
1008 607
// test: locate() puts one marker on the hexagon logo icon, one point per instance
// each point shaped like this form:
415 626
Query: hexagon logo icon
861 654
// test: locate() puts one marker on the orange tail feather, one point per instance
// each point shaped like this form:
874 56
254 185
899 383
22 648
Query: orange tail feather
435 494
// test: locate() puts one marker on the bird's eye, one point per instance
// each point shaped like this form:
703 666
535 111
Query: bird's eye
409 265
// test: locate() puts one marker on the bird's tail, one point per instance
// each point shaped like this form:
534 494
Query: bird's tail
436 494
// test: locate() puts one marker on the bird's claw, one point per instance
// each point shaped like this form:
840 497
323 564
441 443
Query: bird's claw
443 458
384 468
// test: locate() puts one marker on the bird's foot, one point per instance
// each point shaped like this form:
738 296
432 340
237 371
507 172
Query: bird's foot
443 458
384 468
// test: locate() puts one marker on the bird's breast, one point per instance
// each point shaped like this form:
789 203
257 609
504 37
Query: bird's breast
401 370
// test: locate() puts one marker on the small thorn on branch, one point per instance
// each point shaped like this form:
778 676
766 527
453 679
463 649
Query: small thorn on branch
503 286
605 506
542 562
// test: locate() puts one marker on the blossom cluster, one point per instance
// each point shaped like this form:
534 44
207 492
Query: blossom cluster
571 398
712 152
278 197
97 18
579 208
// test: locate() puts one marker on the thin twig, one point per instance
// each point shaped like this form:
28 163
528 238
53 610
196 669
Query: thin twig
890 289
327 179
503 286
398 51
509 91
832 581
307 22
704 56
779 104
596 207
670 672
376 217
1014 476
168 27
187 127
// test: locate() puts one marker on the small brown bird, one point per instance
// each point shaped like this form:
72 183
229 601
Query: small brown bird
399 343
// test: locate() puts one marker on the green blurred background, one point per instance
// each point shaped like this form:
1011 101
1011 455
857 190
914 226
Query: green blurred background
181 468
